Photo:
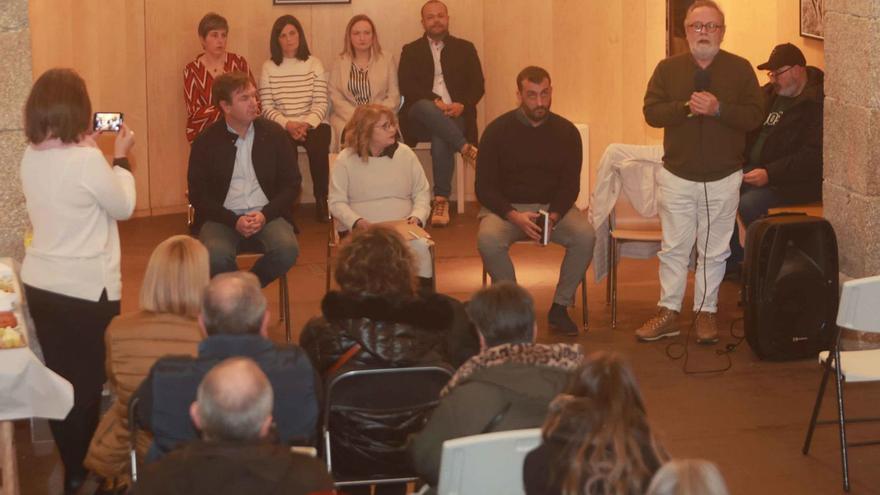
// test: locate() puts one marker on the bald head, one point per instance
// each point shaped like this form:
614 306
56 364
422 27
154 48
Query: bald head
233 304
234 402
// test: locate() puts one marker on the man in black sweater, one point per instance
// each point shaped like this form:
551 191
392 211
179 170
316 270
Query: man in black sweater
530 160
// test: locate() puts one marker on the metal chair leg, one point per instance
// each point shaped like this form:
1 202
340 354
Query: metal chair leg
284 302
608 274
613 275
841 417
485 276
584 300
818 405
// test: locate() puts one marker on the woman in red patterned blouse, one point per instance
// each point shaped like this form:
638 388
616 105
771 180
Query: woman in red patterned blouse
198 75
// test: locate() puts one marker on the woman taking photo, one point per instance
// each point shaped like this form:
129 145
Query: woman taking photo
376 179
362 74
170 302
293 93
596 438
71 272
199 75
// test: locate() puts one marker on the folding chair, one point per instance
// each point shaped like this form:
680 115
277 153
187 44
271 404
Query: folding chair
858 310
395 402
466 462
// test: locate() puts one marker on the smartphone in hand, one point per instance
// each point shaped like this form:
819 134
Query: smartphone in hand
108 121
543 222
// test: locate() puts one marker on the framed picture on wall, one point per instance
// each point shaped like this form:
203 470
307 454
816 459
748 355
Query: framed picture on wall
295 2
813 19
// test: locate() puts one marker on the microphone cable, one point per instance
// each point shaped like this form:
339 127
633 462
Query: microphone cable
729 348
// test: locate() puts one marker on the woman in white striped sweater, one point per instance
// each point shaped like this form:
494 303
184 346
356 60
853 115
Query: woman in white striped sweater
293 93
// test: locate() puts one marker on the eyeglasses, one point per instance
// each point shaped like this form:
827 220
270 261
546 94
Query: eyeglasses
774 74
709 27
387 126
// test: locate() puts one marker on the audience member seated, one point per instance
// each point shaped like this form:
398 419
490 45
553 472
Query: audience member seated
688 477
531 162
596 438
199 75
362 74
293 92
170 299
243 181
235 320
233 410
784 155
377 179
507 386
378 311
441 81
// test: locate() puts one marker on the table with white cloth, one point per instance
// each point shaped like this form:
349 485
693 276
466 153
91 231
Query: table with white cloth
28 389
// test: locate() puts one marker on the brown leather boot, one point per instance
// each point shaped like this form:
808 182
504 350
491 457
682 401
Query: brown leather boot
664 324
707 328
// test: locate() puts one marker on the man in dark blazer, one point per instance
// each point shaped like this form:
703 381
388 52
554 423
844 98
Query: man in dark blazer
441 81
243 181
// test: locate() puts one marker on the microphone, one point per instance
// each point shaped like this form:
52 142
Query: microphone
702 80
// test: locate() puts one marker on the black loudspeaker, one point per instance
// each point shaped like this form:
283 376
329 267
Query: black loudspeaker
790 286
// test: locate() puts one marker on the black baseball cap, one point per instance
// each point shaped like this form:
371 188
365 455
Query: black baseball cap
782 55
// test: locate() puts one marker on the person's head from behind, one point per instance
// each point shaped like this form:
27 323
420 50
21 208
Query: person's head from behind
213 30
688 477
376 262
176 277
534 92
236 95
602 419
372 128
58 107
360 36
288 40
504 313
233 402
233 304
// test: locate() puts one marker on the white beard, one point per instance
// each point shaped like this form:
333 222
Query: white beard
704 52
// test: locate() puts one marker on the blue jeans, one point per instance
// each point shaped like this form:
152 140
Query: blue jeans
447 137
753 204
276 240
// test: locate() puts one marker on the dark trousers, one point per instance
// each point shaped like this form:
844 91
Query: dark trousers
71 334
317 145
753 204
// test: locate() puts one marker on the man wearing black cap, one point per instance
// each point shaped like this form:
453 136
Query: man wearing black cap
784 155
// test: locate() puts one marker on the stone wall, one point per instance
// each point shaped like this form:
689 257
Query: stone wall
15 82
852 132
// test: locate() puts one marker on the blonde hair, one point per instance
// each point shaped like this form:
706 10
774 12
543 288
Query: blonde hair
346 42
688 477
359 130
176 275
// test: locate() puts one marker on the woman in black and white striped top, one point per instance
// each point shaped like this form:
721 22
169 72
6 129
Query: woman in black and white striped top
293 93
361 74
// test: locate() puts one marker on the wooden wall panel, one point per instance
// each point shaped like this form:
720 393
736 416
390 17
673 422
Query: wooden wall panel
104 41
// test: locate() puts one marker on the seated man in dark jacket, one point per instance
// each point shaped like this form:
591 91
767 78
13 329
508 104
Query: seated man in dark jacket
235 320
234 413
784 155
243 182
508 386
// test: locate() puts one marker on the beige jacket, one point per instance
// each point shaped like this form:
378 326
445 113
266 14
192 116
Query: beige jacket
134 342
383 90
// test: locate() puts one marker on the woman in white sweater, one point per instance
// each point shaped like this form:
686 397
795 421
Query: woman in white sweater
71 273
377 179
293 93
361 74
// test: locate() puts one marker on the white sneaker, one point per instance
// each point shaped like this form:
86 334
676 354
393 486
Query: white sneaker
440 212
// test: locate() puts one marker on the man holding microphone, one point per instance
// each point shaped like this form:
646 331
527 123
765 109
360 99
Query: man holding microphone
705 101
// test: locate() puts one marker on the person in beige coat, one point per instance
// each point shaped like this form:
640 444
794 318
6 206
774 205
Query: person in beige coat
361 74
170 298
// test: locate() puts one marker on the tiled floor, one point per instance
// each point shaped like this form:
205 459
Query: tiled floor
750 419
